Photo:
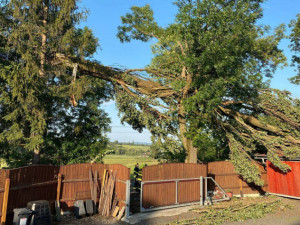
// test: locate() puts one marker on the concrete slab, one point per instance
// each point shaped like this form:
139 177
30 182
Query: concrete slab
138 217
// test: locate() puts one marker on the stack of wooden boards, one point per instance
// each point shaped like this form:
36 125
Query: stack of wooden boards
108 199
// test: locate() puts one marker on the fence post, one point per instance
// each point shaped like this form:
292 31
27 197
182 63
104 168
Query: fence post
201 190
57 203
176 192
5 201
141 197
127 199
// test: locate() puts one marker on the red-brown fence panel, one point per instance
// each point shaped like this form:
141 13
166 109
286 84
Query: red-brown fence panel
30 183
170 184
224 174
39 182
75 183
285 184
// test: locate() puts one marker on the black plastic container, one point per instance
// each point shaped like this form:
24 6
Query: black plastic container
22 216
41 212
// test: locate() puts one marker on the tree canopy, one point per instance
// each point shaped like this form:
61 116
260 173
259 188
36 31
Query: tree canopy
36 114
295 47
212 61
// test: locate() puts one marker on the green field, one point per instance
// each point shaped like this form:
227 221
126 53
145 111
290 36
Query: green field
142 148
129 161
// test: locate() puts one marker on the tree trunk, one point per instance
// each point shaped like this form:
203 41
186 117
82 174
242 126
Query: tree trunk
187 143
192 155
44 40
36 155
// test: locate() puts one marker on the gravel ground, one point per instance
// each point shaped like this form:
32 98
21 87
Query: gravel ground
280 217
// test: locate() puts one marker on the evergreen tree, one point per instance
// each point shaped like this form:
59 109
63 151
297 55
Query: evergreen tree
34 89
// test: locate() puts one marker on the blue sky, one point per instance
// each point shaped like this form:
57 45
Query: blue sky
104 18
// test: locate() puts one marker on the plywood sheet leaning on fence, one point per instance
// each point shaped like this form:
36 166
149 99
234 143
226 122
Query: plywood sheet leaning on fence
224 174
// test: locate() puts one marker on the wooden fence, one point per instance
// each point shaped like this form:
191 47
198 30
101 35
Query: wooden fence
159 194
224 174
75 182
40 183
164 193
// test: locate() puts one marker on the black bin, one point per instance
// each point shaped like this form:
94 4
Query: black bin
22 216
41 212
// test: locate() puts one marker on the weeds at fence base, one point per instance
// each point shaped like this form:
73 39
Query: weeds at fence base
239 211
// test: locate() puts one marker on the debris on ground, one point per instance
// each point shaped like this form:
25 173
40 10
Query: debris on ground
236 210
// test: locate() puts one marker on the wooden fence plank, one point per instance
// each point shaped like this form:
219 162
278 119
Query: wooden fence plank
5 202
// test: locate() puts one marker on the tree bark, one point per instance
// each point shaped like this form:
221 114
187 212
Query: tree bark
36 156
187 143
44 41
192 152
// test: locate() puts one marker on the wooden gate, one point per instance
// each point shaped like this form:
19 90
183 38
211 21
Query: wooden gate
172 184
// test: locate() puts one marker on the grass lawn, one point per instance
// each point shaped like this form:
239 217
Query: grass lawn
129 161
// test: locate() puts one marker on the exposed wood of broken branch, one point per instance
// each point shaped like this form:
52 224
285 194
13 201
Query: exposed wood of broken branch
256 123
146 87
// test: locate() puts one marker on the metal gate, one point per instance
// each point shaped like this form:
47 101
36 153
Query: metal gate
165 194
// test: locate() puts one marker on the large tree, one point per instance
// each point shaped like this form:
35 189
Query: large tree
213 52
35 94
205 84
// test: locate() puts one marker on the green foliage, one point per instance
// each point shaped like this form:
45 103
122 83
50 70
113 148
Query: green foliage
129 161
170 150
295 47
212 53
127 149
36 114
234 213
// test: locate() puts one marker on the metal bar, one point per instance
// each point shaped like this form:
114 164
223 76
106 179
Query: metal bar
176 193
141 197
168 207
220 200
205 187
201 190
288 196
161 181
127 199
218 186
